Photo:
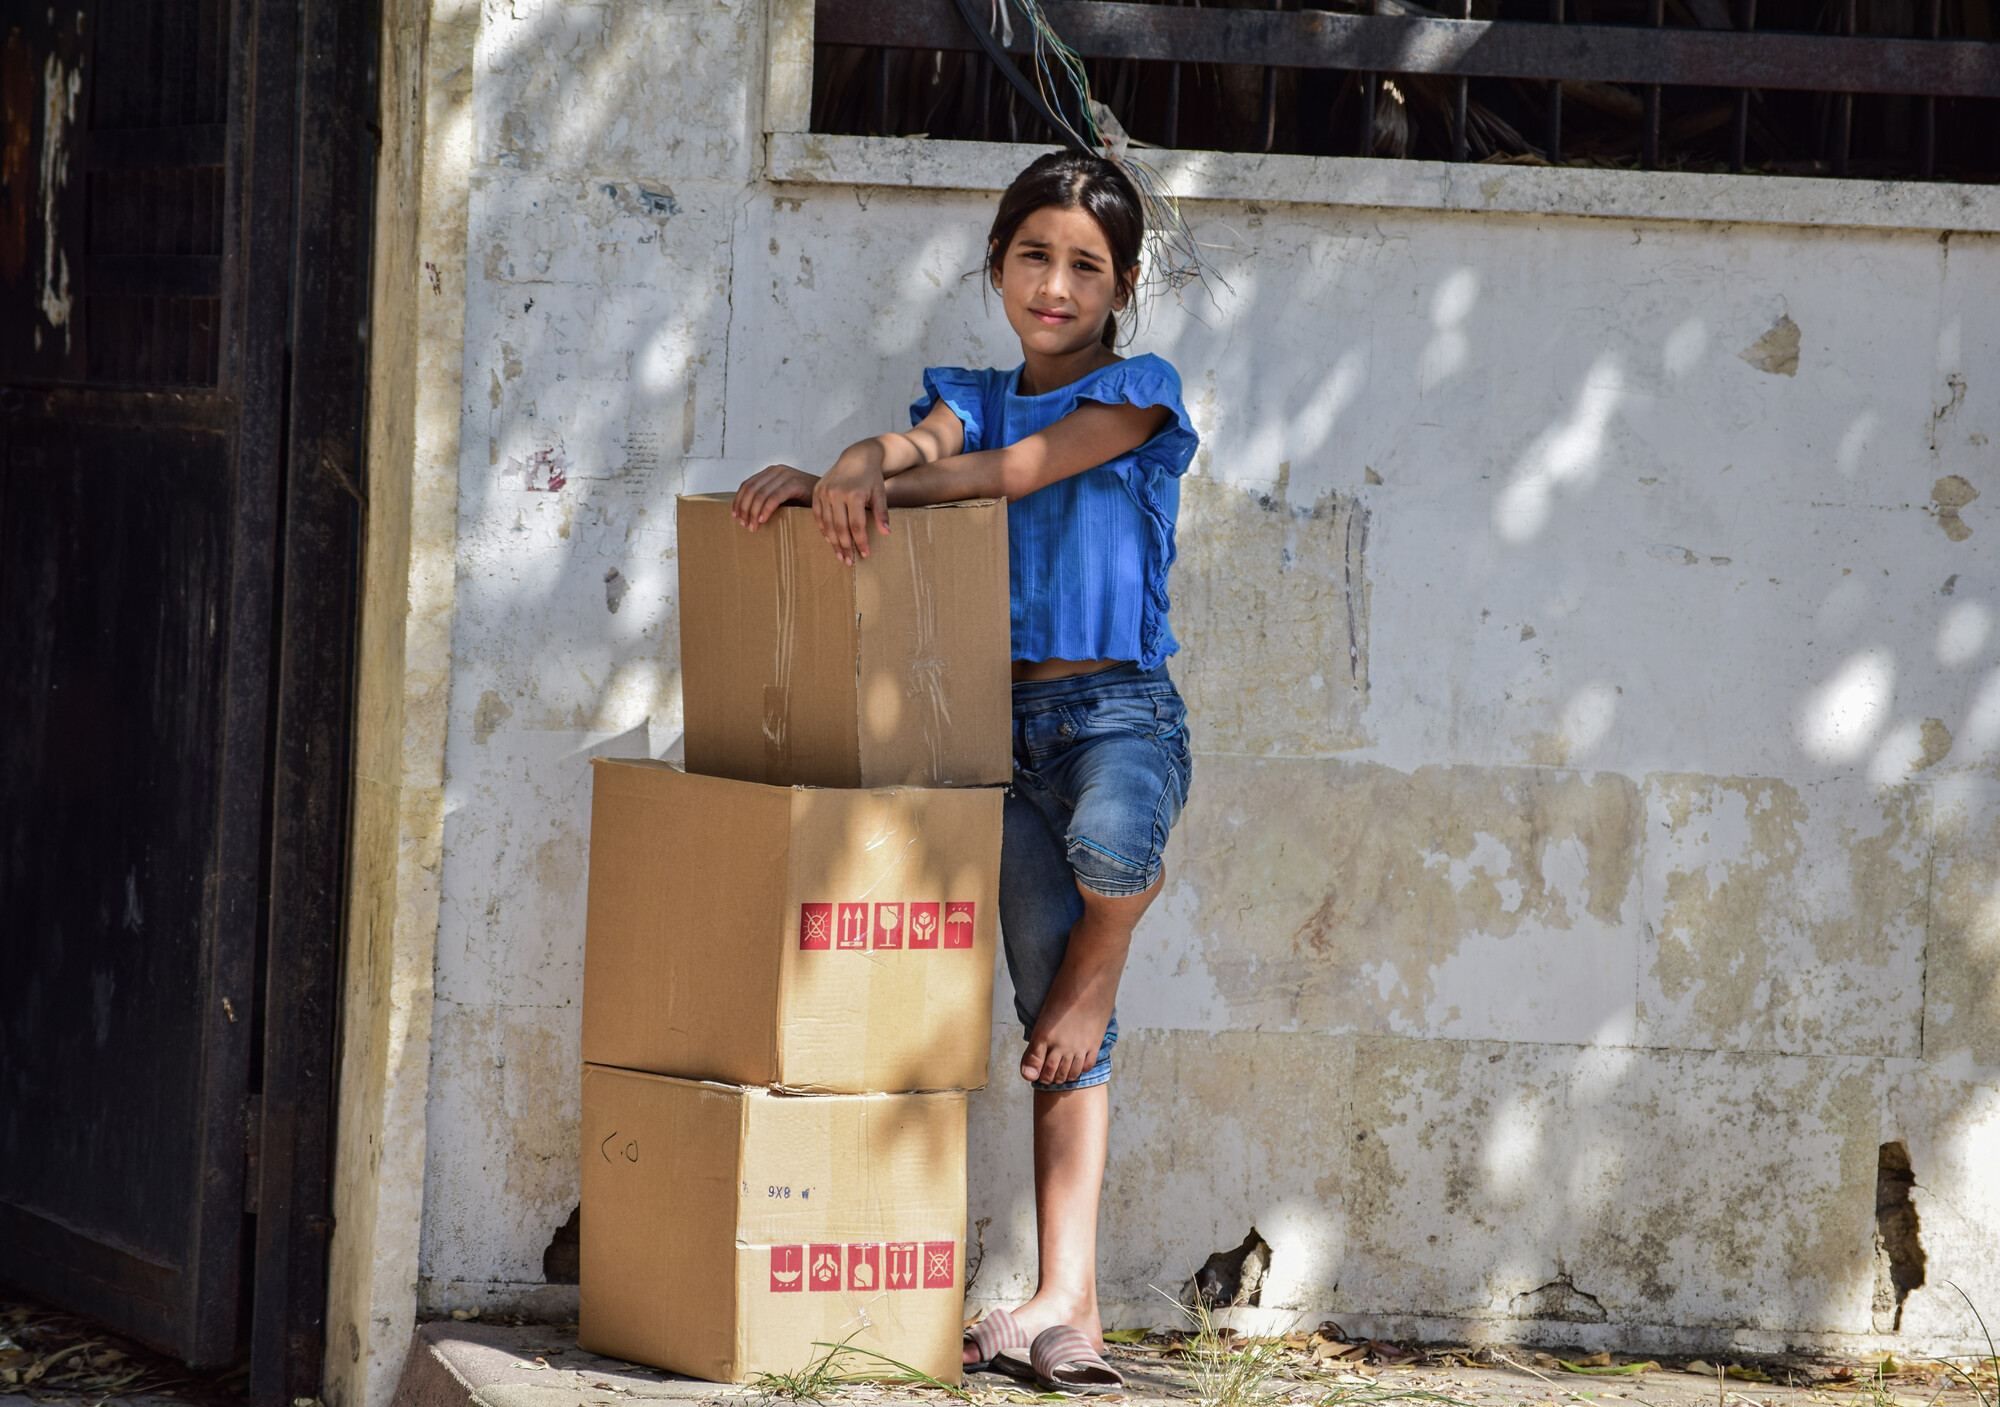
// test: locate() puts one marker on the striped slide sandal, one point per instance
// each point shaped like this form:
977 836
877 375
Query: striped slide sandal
997 1335
1064 1361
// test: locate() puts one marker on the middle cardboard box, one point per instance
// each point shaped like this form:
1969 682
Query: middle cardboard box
826 940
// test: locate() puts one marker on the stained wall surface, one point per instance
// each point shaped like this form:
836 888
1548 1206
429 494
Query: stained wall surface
1590 633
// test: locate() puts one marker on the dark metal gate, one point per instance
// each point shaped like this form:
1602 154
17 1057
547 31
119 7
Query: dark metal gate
183 242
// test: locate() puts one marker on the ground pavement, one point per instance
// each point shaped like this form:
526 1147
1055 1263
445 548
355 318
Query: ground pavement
475 1365
53 1359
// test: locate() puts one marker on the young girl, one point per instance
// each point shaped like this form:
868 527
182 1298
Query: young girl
1087 448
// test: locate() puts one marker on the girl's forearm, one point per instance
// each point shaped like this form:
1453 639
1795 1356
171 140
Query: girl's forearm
889 454
982 474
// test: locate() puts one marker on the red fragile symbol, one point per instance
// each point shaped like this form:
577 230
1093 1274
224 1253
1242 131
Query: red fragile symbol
852 930
788 1266
823 1267
864 1267
958 925
888 925
815 927
938 1260
903 1265
923 925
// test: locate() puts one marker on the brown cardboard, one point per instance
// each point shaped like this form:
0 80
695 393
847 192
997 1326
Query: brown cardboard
725 1231
826 940
796 669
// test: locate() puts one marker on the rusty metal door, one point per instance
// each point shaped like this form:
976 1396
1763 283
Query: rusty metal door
183 242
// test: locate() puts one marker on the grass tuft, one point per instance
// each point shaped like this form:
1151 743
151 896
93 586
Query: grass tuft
835 1367
1226 1375
1990 1362
809 1384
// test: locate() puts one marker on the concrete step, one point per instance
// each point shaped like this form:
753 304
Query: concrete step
468 1364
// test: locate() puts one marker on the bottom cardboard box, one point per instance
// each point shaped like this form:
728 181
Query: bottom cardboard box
727 1231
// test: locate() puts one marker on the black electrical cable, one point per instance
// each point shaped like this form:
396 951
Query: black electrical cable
1065 131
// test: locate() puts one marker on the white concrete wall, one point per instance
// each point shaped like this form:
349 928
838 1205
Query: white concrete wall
1594 852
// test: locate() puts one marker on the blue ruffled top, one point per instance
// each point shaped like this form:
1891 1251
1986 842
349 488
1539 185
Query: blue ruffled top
1088 554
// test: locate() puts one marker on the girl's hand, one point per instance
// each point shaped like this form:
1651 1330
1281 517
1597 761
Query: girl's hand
841 504
768 490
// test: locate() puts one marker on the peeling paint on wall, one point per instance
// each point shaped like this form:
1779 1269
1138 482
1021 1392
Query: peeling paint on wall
1454 901
1948 495
1271 608
1777 351
1785 917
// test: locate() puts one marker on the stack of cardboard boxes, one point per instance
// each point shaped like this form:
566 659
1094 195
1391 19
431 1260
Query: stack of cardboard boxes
789 962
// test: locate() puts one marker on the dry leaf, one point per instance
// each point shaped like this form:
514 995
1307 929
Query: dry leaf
1605 1370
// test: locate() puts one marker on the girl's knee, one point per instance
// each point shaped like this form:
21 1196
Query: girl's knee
1104 873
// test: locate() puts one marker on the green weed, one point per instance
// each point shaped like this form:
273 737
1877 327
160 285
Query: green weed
809 1384
1225 1376
1990 1361
836 1366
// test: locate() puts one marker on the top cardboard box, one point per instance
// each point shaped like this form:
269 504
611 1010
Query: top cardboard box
800 671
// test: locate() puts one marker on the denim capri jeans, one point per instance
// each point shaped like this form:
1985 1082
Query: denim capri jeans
1101 771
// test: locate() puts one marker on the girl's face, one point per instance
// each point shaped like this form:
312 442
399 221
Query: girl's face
1057 282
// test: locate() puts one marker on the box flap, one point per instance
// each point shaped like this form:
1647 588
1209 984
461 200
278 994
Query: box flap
767 647
687 881
934 683
660 1177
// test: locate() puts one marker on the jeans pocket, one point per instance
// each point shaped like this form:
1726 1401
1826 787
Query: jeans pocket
1117 714
1047 733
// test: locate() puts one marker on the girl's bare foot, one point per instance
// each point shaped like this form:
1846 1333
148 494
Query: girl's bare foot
1077 1009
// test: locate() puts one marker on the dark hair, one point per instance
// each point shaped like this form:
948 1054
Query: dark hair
1073 180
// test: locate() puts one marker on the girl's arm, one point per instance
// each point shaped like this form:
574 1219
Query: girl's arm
842 500
1088 436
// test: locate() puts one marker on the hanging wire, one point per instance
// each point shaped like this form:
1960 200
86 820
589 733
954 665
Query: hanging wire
1060 96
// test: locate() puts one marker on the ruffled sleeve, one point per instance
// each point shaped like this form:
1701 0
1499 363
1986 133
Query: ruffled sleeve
1151 475
964 391
1149 381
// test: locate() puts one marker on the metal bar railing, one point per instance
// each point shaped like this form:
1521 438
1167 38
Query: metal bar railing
1552 144
1649 132
1927 130
1843 102
1739 128
1461 94
1324 39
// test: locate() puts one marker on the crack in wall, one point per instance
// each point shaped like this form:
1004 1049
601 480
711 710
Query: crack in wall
1899 1253
1231 1278
562 1262
1558 1299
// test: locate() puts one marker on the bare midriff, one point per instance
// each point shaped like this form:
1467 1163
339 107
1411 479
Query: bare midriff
1028 670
